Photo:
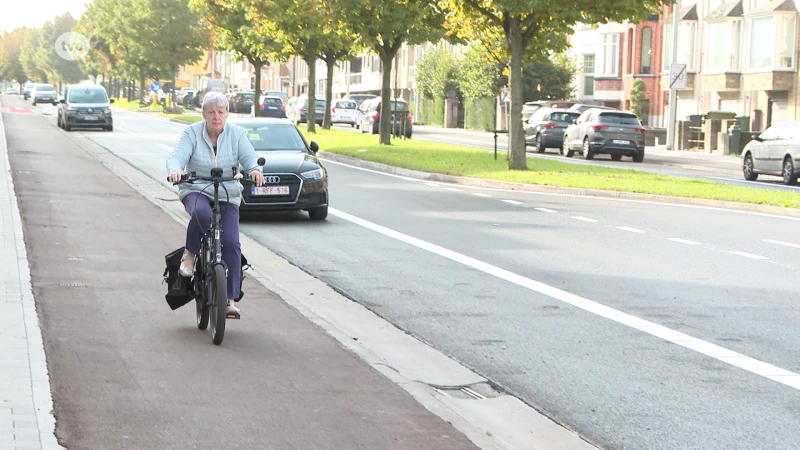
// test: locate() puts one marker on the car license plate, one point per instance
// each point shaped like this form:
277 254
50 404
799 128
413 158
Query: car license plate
617 141
269 190
91 118
272 107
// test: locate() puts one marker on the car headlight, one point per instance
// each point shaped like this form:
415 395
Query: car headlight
71 109
107 111
315 174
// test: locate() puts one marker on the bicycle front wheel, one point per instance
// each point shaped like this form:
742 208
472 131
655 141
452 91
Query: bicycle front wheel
219 303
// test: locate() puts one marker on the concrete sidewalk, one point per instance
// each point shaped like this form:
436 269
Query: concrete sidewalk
26 417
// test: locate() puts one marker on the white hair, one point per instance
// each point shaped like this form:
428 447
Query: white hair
215 99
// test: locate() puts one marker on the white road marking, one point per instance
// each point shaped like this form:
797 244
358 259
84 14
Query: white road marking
432 184
455 190
513 202
125 130
748 255
479 194
684 241
546 210
788 244
632 230
585 219
717 352
165 147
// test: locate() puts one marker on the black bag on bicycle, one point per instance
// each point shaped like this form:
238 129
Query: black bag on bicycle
179 289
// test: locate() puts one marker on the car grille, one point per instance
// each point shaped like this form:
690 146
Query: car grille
286 179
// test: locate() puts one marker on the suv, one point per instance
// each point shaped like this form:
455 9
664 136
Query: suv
43 93
26 91
85 106
617 133
371 116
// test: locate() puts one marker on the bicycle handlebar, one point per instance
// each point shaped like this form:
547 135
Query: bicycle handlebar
237 176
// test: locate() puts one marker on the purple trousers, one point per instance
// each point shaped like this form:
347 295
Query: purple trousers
199 208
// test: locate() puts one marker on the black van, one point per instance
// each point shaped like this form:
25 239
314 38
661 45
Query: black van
86 106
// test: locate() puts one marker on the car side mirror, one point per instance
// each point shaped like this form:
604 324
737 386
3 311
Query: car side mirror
65 101
111 100
758 138
314 147
575 122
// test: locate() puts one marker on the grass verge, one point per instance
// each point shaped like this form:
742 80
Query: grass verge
134 105
477 163
185 117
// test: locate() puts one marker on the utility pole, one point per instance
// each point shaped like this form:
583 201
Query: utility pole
673 93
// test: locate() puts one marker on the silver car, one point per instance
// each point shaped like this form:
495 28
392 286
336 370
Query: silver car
44 93
617 133
774 152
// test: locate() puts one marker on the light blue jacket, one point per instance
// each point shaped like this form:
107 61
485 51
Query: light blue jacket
194 152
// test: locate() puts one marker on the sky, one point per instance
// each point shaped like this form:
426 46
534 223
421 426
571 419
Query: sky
34 13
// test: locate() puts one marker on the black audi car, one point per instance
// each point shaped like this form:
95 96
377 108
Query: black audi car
295 178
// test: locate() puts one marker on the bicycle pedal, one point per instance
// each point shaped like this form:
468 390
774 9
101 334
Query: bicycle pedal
233 316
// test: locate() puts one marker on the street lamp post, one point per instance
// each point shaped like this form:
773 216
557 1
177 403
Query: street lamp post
673 93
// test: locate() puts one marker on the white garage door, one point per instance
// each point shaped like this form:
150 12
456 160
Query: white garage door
779 110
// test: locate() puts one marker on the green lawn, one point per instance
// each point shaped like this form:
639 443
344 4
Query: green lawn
185 117
469 162
134 105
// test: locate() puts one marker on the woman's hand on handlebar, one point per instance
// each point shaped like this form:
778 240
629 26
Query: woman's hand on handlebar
257 177
175 175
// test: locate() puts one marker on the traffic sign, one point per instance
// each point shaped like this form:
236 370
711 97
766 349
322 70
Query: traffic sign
155 86
677 76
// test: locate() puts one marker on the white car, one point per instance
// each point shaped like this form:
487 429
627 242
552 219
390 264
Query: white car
776 151
344 111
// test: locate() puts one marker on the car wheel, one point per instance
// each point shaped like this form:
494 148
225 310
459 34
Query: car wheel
639 157
33 103
565 151
616 157
537 142
789 177
67 127
587 150
55 104
319 213
109 128
747 168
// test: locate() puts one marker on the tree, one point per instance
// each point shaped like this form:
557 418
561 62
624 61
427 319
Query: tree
10 49
478 75
58 69
28 57
231 30
383 26
531 29
639 102
436 71
548 79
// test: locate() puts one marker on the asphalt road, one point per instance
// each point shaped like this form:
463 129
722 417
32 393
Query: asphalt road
128 373
545 296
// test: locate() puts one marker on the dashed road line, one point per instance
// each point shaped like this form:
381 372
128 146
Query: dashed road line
684 241
546 210
787 244
513 202
455 190
749 255
632 230
432 184
479 194
125 130
584 219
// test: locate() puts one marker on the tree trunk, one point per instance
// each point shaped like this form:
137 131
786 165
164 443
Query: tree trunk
141 84
174 85
256 103
330 60
516 134
386 100
312 90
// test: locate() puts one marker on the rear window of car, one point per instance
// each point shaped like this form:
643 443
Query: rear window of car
563 116
248 96
87 96
45 87
346 104
273 101
272 137
619 119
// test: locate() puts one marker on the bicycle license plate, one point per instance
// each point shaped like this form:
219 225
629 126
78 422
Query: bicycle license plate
269 190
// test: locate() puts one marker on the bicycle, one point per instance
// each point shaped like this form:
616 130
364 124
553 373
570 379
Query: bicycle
210 280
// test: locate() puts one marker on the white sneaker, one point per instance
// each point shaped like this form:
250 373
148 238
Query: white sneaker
232 309
186 270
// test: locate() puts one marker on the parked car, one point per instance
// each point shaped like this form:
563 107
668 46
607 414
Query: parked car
296 179
43 93
12 91
773 152
530 107
545 128
26 90
273 107
581 107
283 95
242 102
617 133
85 105
297 111
344 111
371 116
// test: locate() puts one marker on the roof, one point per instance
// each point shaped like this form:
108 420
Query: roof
776 6
729 9
686 13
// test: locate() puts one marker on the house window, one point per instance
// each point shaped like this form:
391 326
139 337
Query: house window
772 42
647 49
717 38
610 62
629 66
588 75
686 44
736 46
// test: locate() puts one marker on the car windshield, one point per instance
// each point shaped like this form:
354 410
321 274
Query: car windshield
87 96
274 136
399 106
619 119
563 116
248 96
45 87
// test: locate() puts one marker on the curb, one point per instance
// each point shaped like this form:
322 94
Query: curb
553 190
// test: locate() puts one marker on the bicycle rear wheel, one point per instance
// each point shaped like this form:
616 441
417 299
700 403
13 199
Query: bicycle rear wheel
219 303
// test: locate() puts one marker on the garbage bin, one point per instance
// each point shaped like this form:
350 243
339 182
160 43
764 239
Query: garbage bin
744 123
735 133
